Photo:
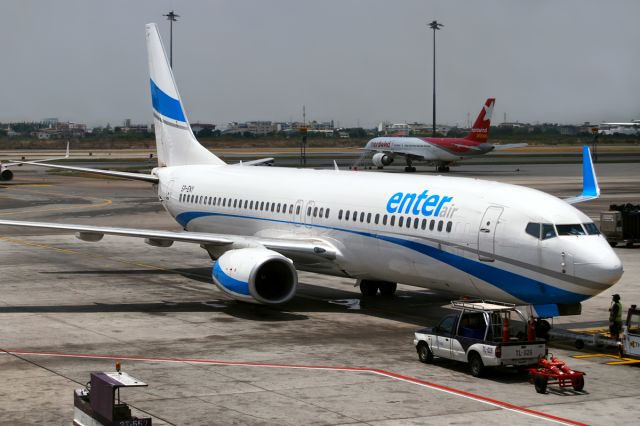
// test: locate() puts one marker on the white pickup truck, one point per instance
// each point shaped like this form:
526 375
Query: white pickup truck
476 335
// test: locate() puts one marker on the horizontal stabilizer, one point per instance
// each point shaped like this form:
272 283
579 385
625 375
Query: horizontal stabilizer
509 146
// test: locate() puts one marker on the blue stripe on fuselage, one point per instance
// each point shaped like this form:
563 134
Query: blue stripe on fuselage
519 286
165 104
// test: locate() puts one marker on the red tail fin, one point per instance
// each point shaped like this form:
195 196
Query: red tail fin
480 130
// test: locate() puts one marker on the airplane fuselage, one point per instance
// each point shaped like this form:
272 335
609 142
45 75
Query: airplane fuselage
457 235
429 149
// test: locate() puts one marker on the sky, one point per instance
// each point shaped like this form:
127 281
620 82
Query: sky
357 62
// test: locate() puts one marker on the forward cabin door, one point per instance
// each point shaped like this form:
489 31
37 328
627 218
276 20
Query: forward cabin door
487 234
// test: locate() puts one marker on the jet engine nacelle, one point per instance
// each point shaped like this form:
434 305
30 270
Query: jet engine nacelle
6 175
256 275
381 159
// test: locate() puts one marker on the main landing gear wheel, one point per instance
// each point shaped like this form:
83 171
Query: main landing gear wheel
368 288
388 289
443 168
410 169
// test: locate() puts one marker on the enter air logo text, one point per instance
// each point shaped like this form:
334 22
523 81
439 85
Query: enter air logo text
424 204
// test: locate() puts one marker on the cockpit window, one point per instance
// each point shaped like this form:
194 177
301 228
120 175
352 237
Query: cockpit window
533 229
548 231
575 229
592 229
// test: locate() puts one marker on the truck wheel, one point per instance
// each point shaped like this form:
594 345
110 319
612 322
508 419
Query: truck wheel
388 289
540 383
475 365
424 353
578 383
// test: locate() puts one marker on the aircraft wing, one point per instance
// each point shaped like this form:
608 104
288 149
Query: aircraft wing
590 188
113 173
313 247
509 146
20 163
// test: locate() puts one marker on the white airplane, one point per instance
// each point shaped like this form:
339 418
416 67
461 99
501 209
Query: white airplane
438 151
462 236
7 175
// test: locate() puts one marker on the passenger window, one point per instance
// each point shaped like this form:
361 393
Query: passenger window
449 225
290 208
278 208
400 221
284 208
215 199
326 214
235 203
315 212
424 224
346 215
245 204
321 212
251 205
368 217
533 229
261 205
392 220
570 229
384 219
416 222
224 202
361 216
309 211
440 226
432 224
340 214
297 209
377 218
273 207
355 216
408 222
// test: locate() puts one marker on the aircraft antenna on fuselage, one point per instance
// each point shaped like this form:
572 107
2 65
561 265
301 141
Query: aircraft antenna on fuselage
175 142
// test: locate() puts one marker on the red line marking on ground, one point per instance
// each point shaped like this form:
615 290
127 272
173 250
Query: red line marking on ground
385 373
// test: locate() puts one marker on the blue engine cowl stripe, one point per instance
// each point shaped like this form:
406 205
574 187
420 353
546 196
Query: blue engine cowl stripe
523 288
229 283
165 104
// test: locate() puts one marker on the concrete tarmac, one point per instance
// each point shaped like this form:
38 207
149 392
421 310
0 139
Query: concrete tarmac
69 307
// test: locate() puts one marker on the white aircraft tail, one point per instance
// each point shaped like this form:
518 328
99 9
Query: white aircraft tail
175 142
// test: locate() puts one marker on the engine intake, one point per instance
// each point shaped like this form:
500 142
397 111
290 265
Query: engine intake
256 275
381 159
6 175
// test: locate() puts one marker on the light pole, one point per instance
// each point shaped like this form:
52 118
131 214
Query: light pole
434 25
171 17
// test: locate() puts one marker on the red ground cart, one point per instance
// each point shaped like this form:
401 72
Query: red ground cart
553 371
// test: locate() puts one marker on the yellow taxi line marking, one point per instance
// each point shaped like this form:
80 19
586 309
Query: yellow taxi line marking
94 256
102 202
595 356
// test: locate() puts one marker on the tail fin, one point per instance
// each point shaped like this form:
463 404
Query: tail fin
175 142
480 130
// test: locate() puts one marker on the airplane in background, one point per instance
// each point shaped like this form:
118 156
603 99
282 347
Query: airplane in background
440 152
7 175
261 225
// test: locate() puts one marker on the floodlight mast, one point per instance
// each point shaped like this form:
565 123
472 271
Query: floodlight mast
171 17
434 25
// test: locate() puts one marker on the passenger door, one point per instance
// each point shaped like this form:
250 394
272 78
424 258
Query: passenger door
486 234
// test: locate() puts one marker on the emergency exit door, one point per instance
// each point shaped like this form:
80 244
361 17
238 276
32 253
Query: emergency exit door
487 234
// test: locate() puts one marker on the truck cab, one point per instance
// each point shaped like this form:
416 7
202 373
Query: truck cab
482 334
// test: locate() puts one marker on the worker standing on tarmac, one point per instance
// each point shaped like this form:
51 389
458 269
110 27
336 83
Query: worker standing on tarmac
615 317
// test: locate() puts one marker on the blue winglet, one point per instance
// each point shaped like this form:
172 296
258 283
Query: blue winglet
590 188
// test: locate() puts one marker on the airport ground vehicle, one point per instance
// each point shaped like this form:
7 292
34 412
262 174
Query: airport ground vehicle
553 371
483 335
631 333
621 224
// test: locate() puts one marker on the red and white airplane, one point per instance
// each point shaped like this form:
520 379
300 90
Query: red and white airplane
440 152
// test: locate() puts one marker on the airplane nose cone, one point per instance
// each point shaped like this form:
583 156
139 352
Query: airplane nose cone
604 265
